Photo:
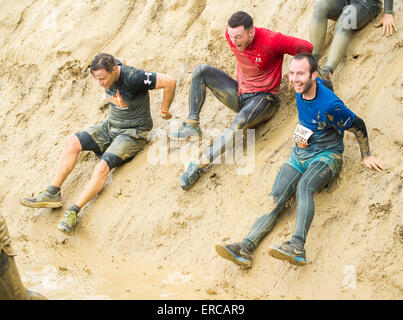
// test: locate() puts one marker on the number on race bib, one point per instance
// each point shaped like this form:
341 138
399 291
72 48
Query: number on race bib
302 135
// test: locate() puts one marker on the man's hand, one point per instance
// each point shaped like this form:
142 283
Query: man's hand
167 83
373 163
388 24
165 115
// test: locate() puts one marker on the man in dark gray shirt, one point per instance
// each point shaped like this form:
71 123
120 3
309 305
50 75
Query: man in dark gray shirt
116 140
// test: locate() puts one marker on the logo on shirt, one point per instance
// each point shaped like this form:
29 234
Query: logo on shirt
147 81
117 100
258 59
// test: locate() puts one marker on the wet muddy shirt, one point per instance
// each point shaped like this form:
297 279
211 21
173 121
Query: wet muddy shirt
260 64
387 5
129 98
5 241
322 122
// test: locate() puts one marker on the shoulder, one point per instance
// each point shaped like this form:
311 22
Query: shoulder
130 73
265 33
326 96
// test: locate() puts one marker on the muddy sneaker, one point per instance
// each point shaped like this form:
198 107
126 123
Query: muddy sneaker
190 176
236 252
324 74
68 222
45 199
289 251
186 132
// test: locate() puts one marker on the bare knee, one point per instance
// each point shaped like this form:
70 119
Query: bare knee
101 169
72 145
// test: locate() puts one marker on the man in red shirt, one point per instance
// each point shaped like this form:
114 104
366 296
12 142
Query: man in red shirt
253 97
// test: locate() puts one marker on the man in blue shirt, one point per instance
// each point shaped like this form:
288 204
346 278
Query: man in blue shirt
314 162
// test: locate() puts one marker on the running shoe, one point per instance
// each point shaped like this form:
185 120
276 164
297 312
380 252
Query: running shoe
45 199
186 132
289 251
190 176
68 222
324 74
236 252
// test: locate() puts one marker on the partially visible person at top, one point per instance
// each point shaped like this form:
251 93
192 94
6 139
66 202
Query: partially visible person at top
11 286
314 162
116 140
350 15
253 96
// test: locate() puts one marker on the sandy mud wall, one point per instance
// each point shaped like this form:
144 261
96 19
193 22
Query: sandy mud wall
47 93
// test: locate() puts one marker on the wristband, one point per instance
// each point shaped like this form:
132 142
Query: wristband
164 112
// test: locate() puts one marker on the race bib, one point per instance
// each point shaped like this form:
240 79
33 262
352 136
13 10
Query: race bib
302 135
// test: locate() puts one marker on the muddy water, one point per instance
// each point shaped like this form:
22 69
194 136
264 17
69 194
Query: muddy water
91 276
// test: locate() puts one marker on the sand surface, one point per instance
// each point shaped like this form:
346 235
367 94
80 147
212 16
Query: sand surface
144 237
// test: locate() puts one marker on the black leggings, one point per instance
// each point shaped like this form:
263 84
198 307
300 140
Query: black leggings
288 181
251 108
350 15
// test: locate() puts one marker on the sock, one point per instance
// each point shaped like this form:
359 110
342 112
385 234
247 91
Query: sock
248 245
74 208
53 190
298 241
193 123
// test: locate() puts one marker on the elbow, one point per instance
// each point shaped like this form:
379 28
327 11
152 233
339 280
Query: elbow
308 47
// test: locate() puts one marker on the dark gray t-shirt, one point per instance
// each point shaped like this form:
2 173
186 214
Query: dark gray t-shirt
129 98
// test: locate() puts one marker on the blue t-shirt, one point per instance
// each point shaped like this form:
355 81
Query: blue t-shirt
326 117
129 99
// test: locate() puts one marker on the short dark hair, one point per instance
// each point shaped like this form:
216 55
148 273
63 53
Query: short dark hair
240 18
313 63
103 61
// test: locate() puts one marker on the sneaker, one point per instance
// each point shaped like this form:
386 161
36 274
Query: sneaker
45 199
186 132
190 176
290 252
325 74
236 253
68 222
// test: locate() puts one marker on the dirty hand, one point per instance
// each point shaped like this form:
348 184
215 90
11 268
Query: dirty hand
388 24
373 163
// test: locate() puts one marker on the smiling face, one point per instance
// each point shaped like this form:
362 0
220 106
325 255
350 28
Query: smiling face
301 77
241 37
105 78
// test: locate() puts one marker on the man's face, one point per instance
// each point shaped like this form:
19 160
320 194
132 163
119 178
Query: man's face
105 78
240 37
299 75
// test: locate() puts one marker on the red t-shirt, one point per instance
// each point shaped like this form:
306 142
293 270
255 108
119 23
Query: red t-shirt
260 64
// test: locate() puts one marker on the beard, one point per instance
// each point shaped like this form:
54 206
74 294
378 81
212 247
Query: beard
306 86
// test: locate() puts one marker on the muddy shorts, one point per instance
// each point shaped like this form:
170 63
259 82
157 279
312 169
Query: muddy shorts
113 145
333 159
